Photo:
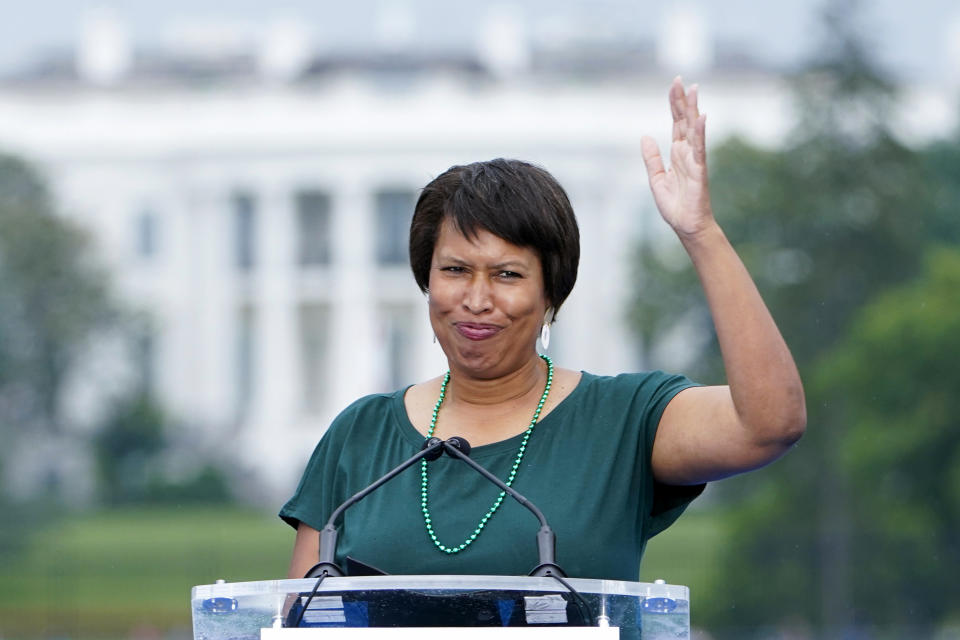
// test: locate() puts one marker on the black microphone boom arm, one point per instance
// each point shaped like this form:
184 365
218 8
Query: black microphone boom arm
432 449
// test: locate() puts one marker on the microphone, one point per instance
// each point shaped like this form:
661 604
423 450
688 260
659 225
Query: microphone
457 447
431 450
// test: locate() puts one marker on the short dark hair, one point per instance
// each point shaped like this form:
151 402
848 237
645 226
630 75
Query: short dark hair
514 200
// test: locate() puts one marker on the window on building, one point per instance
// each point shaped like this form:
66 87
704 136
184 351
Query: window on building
245 359
314 325
313 228
145 232
394 209
244 208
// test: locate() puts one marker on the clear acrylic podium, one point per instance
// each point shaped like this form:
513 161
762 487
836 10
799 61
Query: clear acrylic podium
640 610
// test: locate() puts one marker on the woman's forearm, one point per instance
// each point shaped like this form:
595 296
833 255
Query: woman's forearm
764 383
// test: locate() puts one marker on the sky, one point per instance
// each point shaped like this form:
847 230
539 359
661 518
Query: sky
911 37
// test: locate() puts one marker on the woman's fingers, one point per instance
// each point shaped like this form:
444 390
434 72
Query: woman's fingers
691 110
700 140
688 122
652 158
678 108
688 127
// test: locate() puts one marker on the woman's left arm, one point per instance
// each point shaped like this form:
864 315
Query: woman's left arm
707 433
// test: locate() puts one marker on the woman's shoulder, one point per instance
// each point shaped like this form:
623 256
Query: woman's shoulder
368 411
373 401
624 404
655 376
628 385
425 391
419 400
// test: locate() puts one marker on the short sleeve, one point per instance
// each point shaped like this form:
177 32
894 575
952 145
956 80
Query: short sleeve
340 463
322 485
667 502
312 498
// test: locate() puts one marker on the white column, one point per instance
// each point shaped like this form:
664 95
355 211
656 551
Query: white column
208 273
275 362
352 345
622 216
592 331
176 317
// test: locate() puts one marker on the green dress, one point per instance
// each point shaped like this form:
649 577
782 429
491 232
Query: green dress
587 467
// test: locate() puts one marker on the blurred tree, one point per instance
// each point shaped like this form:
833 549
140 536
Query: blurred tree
895 382
53 298
131 448
843 212
127 447
942 163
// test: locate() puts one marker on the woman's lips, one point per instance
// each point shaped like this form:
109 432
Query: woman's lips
475 331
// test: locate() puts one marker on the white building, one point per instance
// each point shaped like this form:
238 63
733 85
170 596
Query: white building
263 224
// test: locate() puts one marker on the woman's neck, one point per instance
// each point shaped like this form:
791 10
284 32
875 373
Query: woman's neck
529 379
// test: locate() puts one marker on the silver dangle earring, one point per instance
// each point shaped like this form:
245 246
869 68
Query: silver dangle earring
427 294
545 335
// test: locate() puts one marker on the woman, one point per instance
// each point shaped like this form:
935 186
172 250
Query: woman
610 461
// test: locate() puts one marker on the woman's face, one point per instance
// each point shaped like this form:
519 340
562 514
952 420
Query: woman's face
487 302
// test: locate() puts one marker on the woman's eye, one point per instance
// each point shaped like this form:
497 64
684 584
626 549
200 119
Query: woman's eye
453 269
510 274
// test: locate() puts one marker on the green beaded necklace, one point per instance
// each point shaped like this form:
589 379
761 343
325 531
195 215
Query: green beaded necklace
424 481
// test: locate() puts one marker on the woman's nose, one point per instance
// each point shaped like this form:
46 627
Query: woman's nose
477 296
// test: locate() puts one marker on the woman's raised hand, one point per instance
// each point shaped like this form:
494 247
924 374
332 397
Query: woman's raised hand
681 192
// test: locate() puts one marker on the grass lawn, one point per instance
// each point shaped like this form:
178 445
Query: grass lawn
687 553
127 573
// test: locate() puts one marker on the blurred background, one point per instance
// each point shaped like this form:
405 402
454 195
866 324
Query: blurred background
203 216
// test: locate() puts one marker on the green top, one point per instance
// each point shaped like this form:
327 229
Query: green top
587 467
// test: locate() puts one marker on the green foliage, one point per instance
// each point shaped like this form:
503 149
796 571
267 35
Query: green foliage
895 381
52 299
822 227
130 448
130 438
208 484
941 163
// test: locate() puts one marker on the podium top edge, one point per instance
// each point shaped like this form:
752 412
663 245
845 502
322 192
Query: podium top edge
445 582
